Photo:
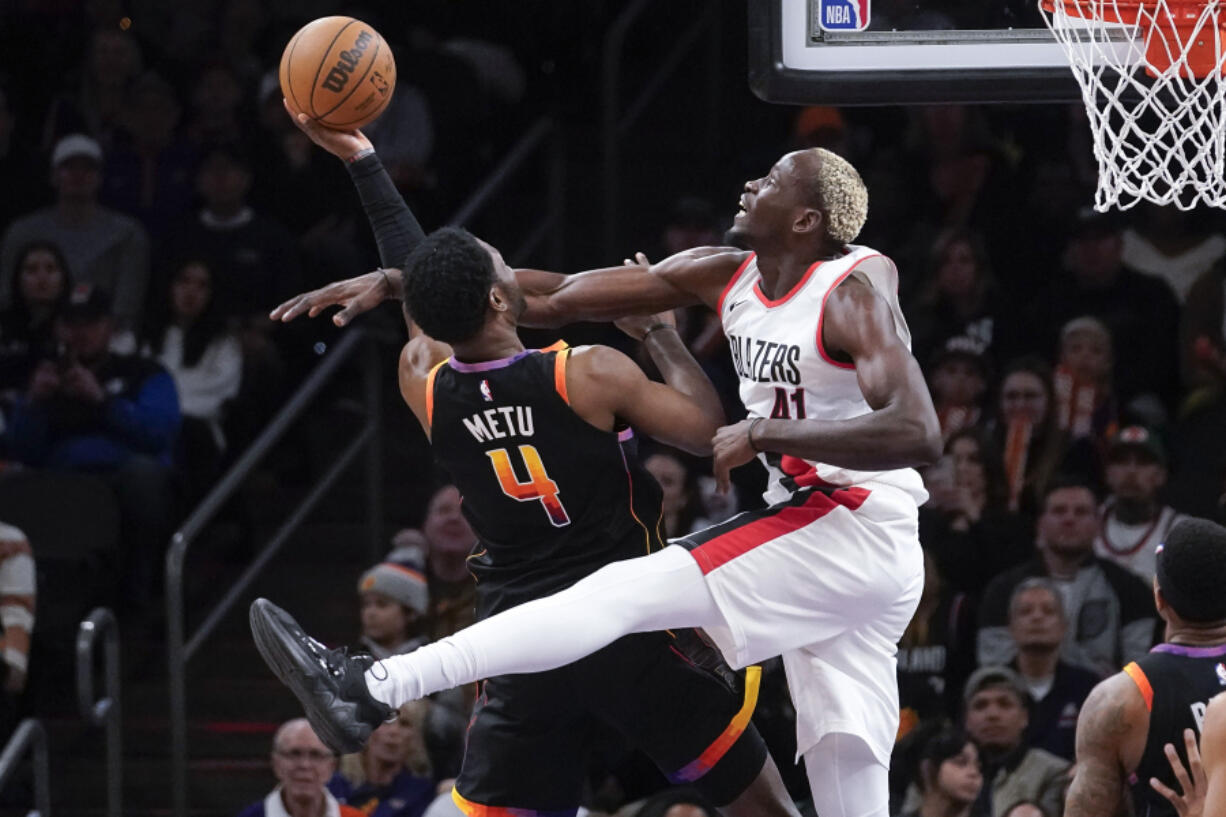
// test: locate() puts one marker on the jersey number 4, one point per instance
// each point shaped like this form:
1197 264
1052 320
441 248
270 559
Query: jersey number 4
781 409
538 486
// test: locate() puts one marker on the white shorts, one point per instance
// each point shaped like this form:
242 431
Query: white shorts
828 579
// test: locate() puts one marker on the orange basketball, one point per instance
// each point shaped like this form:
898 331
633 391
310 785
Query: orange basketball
339 72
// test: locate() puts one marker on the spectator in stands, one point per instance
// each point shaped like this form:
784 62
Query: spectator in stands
935 654
1111 610
302 766
1057 689
949 777
1172 245
391 776
104 248
997 710
680 503
394 602
188 337
112 414
216 103
97 106
1202 337
1085 403
1032 447
17 595
958 297
966 525
253 258
958 378
149 169
450 542
1134 518
39 291
1139 311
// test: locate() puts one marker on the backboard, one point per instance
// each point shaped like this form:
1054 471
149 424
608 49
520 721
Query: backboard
913 52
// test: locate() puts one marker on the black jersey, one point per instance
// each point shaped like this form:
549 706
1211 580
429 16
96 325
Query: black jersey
551 497
1176 683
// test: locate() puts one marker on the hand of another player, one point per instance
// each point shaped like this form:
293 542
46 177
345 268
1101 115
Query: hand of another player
1192 802
342 144
355 295
731 449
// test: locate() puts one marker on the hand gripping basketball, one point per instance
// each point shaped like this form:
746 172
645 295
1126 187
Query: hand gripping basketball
343 144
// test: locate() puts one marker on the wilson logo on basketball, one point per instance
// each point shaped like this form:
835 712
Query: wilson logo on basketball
346 62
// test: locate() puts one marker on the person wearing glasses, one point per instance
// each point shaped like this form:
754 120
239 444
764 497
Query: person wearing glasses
303 766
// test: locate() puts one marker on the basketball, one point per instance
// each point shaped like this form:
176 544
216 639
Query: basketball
338 71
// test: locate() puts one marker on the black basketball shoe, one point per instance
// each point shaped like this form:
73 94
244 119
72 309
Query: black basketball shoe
331 684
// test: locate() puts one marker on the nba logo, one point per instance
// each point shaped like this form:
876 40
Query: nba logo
485 391
843 15
1221 674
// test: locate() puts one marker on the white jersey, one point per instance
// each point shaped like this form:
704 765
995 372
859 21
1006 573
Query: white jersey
786 373
1134 547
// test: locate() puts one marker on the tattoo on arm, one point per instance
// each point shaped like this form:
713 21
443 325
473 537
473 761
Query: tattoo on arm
1098 785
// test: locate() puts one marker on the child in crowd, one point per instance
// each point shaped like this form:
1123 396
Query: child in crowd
394 600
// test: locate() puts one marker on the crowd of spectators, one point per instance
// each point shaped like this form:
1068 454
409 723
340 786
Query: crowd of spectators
1077 361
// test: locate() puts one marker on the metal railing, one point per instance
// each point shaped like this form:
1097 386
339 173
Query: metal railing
181 649
544 134
105 712
29 737
616 121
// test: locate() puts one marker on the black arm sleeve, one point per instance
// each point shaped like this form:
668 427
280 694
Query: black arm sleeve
396 229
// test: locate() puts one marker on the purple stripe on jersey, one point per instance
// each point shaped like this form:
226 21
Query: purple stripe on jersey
625 434
487 365
1191 652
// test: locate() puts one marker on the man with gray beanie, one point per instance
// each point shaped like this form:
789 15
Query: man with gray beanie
1138 718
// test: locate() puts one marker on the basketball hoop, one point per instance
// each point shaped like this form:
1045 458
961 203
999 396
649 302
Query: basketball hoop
1158 136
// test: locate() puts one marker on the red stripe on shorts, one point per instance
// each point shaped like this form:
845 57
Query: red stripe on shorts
726 547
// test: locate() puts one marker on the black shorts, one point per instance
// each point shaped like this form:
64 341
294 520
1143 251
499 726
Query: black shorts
671 697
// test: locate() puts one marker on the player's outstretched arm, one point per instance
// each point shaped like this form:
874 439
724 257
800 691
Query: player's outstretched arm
696 276
1112 713
395 228
901 430
605 386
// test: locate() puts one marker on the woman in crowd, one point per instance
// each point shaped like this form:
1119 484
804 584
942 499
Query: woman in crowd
680 504
966 526
1030 442
391 776
935 654
27 327
188 336
949 778
958 298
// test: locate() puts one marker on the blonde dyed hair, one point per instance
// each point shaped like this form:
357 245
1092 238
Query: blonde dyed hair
416 760
843 194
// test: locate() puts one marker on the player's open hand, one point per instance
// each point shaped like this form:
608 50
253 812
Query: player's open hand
343 144
1191 780
731 449
354 295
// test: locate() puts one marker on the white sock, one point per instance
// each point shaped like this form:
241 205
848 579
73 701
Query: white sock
656 592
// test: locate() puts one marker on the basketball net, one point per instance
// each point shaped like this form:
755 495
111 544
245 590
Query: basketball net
1159 135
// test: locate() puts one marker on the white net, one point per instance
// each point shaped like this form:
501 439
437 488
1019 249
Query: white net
1151 77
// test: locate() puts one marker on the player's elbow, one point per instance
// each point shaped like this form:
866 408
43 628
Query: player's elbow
926 443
